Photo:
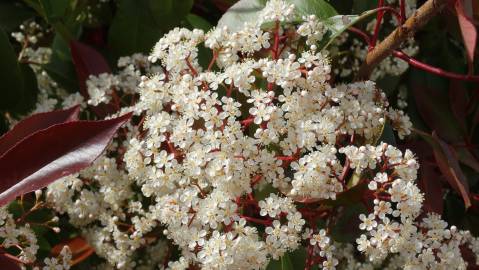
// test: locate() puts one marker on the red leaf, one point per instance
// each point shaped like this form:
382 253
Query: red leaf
35 123
88 62
433 106
468 30
8 263
446 159
79 247
458 100
429 182
52 153
429 178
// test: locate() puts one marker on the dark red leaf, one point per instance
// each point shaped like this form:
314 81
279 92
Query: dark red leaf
433 106
35 123
458 99
468 30
448 164
429 178
88 62
52 153
465 157
78 246
429 183
8 263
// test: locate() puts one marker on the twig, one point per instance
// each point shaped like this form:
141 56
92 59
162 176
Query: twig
379 18
398 36
434 70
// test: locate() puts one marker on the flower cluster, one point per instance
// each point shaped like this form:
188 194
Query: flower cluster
393 226
19 235
237 162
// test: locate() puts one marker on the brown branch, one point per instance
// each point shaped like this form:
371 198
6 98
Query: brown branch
399 35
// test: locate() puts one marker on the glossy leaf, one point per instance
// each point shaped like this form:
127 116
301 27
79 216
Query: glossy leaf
248 10
449 165
87 62
35 123
241 12
11 86
338 24
321 8
52 153
468 31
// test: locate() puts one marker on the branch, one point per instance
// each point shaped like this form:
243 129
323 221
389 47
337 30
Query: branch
398 36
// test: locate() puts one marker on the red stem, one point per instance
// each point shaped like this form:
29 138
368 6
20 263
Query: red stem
379 18
403 11
257 220
276 41
393 12
362 34
190 66
434 70
213 60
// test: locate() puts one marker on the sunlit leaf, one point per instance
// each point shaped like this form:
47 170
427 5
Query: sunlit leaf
52 153
248 11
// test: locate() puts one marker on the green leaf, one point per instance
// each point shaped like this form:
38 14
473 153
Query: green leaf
284 263
248 10
198 22
30 90
388 135
340 23
320 8
11 86
54 9
61 68
168 13
139 24
241 12
12 14
346 229
363 5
